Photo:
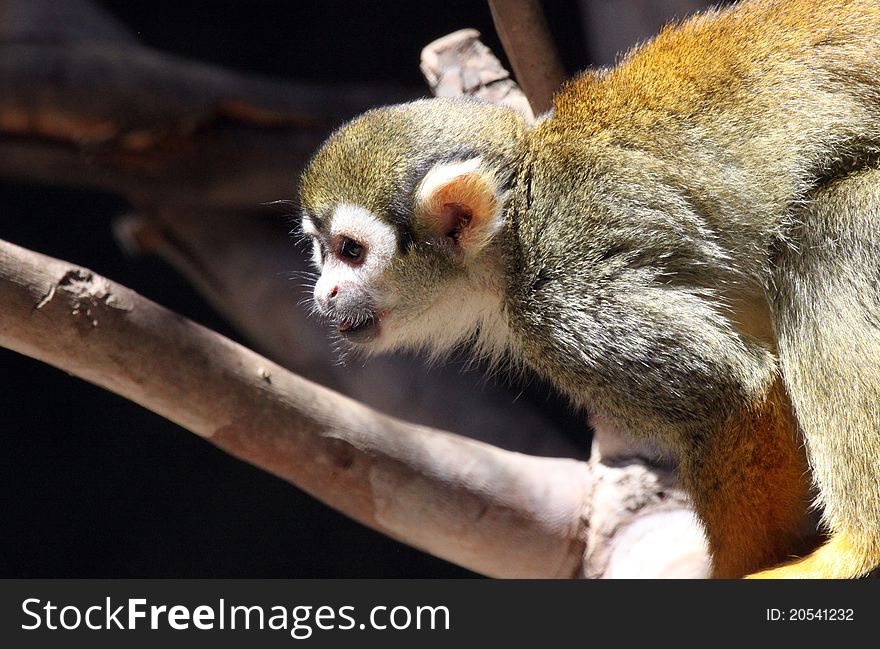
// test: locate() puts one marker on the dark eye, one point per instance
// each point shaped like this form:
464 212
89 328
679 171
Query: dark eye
351 250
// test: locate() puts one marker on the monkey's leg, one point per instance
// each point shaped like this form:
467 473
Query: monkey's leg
750 488
827 312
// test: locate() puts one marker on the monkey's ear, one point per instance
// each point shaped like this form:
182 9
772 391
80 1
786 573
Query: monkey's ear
460 202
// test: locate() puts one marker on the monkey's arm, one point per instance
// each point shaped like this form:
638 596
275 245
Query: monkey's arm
827 312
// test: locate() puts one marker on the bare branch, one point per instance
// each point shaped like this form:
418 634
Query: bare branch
493 511
459 64
497 512
642 523
530 48
216 139
164 127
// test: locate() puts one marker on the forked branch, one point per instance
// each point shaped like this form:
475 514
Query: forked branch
496 512
500 513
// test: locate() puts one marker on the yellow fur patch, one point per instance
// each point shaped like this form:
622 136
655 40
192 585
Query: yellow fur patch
839 558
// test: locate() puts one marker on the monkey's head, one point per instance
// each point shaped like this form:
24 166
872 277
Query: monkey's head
403 206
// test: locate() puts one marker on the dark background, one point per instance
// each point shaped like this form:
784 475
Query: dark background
94 486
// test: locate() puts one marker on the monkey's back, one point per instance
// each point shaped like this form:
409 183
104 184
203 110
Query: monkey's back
749 109
677 173
724 60
701 242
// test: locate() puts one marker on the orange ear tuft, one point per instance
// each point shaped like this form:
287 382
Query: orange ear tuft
459 202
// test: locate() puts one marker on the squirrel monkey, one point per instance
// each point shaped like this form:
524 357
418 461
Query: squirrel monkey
687 246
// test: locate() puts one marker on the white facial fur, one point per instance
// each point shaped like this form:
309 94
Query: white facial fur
312 232
468 304
357 223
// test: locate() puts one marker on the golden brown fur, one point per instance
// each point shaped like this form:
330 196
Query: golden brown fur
757 112
687 246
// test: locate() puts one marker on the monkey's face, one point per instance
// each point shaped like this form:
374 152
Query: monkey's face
426 282
401 205
352 249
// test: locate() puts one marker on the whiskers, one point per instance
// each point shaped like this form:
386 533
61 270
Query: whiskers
304 275
347 354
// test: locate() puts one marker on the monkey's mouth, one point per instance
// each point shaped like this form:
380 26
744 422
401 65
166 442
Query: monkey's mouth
360 327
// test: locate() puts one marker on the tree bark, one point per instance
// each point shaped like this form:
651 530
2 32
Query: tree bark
189 161
530 47
500 513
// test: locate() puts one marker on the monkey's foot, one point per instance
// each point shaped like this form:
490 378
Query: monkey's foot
839 558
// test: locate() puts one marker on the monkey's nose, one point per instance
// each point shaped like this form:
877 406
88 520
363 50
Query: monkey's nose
326 299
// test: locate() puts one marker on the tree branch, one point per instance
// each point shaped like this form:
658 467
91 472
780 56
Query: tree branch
500 513
167 128
530 48
496 512
458 64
